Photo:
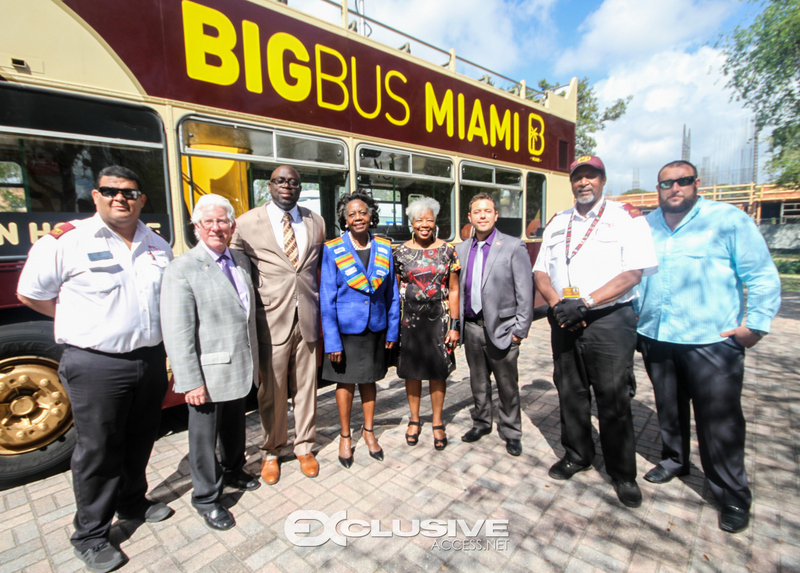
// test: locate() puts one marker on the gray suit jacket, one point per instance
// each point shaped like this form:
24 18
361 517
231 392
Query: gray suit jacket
209 336
506 290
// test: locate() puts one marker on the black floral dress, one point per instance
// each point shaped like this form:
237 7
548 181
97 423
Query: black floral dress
424 279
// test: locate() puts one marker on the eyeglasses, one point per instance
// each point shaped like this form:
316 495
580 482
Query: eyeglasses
129 194
209 223
281 181
682 181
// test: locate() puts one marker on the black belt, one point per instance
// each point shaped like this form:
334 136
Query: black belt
479 321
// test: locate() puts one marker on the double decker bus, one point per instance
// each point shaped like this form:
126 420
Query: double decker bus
209 96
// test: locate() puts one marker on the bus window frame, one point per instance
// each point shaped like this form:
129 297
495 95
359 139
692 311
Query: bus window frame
411 175
182 149
495 186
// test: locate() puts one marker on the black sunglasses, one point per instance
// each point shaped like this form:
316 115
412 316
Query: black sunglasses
682 181
129 194
280 181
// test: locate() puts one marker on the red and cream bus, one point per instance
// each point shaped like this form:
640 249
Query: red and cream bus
209 96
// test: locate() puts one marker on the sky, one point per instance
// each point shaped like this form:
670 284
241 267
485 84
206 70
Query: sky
661 52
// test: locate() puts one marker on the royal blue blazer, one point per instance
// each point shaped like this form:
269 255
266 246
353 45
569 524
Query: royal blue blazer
349 310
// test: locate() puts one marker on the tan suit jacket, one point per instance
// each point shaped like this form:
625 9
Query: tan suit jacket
280 287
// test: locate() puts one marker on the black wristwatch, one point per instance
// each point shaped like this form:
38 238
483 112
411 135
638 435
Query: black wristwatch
759 333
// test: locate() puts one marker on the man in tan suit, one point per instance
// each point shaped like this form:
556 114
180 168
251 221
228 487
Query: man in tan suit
284 242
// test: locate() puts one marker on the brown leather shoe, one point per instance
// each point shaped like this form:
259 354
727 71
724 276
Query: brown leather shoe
270 471
309 465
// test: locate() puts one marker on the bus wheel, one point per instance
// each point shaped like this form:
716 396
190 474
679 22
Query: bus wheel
36 432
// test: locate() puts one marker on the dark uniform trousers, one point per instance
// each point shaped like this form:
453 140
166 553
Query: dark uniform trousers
484 358
116 406
599 356
711 377
213 422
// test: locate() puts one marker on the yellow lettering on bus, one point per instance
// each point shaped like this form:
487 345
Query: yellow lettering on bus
394 96
378 91
441 113
319 49
277 46
199 45
500 129
35 233
477 124
461 126
251 41
535 134
11 234
516 131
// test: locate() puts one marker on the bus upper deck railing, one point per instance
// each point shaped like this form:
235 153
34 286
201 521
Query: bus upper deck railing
393 37
747 194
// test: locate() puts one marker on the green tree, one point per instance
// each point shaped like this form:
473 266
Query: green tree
763 68
590 118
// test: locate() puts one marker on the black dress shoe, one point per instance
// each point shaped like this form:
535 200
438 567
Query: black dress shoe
241 480
474 435
219 518
514 447
147 510
734 519
565 469
659 474
628 493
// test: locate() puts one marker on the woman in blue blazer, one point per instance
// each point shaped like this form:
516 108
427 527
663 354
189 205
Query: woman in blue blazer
360 309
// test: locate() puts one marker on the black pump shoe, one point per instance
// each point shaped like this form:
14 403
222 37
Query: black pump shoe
346 462
376 455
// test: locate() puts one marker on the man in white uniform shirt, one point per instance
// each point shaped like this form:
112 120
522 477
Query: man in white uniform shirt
100 279
592 257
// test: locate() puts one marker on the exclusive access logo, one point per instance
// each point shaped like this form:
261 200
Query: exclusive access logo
482 535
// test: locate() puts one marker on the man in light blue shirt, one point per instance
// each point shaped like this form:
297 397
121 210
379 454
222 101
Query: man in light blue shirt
693 336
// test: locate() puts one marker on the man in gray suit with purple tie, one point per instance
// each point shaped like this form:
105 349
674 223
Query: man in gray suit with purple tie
209 327
497 309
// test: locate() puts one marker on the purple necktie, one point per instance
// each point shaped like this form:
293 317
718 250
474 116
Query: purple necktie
226 268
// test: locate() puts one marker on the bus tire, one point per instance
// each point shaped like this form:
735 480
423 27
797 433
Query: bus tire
32 395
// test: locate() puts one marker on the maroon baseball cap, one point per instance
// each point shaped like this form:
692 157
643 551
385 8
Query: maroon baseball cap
592 160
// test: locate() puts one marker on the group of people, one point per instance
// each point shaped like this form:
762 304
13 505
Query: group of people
246 307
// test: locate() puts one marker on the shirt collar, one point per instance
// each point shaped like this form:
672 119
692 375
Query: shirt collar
489 239
100 226
592 212
693 212
294 212
215 255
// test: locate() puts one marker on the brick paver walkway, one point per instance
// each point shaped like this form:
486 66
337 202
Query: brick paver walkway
573 526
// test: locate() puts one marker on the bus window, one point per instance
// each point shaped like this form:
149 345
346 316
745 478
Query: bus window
535 185
49 161
505 185
236 161
395 178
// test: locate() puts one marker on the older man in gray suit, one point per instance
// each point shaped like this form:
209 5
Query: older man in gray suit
497 308
208 322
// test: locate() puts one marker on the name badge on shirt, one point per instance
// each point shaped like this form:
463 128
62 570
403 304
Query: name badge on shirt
100 256
571 292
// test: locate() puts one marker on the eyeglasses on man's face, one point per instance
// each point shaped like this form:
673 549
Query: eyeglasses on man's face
211 223
281 181
682 181
111 192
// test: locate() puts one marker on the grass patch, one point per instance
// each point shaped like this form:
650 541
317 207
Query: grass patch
790 283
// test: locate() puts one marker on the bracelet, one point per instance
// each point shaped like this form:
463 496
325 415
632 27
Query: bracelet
455 324
590 304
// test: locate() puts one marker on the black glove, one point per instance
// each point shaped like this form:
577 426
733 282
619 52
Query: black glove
570 311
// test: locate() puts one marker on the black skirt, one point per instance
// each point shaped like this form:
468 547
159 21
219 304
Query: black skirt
365 359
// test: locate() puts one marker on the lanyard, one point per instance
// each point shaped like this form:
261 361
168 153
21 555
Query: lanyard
586 236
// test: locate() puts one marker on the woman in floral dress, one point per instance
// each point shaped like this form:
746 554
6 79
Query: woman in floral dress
427 268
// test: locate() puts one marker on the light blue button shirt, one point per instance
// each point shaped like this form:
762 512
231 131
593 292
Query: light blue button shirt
697 293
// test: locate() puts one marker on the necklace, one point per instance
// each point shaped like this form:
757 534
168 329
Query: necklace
355 245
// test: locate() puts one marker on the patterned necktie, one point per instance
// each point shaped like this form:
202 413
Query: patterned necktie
477 279
289 241
223 259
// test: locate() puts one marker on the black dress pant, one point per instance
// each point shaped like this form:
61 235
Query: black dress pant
484 359
599 357
116 407
213 422
711 377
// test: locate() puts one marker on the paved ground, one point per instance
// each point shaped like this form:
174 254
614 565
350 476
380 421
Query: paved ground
571 526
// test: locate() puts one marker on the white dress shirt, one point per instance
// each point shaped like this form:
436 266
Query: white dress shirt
275 214
241 287
618 243
107 295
